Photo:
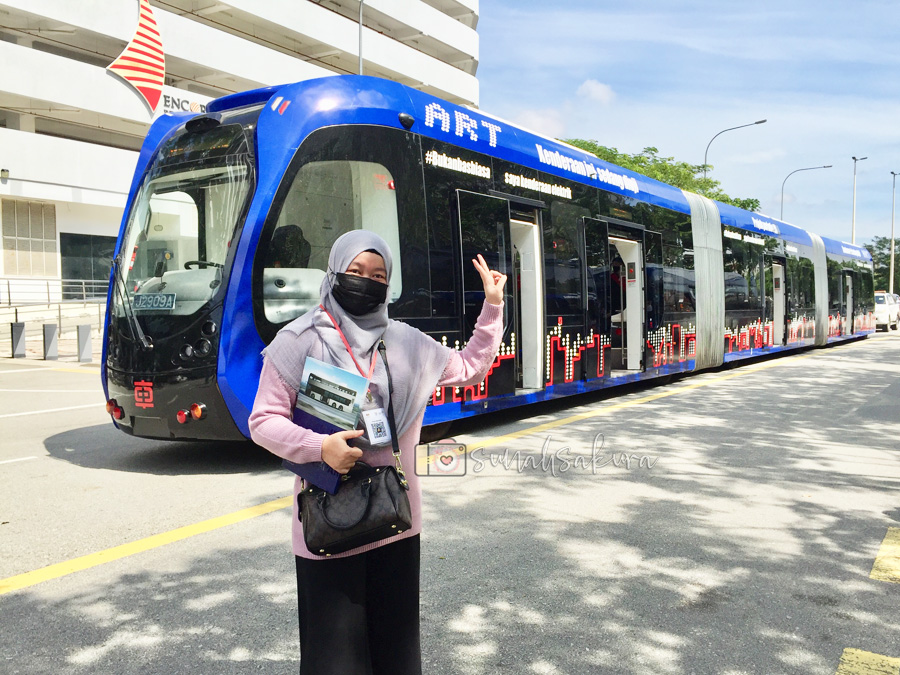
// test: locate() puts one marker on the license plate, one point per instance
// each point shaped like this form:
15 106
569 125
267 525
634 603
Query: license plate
155 301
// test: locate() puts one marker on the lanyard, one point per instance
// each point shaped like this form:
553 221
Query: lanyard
350 351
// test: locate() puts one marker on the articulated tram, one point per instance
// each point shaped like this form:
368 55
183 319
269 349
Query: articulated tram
613 277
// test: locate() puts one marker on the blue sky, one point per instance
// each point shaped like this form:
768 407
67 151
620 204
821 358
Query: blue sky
826 76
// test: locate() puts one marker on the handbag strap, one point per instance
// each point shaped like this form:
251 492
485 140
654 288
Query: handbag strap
395 442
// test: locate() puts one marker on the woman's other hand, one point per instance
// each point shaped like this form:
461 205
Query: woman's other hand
337 454
493 281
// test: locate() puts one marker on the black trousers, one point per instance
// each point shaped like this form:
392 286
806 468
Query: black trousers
360 615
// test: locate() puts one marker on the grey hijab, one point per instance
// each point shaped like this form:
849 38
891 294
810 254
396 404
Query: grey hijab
416 360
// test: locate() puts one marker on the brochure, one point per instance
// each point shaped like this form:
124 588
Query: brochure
332 394
329 400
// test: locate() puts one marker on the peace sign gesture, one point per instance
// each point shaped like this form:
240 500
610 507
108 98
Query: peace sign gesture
493 281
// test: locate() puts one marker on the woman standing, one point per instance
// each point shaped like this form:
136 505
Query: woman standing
359 610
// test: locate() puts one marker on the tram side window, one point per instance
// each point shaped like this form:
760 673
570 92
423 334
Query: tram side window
327 199
835 286
679 284
801 287
864 298
743 263
562 259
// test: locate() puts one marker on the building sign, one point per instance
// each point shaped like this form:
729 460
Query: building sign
143 63
172 103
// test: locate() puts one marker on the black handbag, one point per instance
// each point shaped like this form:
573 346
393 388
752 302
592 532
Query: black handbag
371 503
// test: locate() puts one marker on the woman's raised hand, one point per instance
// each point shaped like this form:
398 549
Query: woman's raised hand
493 281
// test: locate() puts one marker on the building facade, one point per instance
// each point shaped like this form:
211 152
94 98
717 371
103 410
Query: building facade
71 125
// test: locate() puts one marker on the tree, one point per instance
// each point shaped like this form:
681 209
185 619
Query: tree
678 174
880 248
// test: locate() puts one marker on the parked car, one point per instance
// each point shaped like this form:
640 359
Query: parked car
887 311
897 300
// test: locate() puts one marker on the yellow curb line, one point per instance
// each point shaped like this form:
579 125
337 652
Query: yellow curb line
858 662
155 541
887 562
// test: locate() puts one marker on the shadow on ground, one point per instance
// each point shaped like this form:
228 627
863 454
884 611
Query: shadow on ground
105 447
231 612
745 548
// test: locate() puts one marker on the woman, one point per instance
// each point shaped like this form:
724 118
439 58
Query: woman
359 610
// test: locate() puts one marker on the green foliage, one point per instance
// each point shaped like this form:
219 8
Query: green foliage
880 248
679 174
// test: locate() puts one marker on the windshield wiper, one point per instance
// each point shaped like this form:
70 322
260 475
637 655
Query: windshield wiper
122 291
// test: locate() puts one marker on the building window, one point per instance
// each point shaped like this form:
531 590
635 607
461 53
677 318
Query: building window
29 238
85 257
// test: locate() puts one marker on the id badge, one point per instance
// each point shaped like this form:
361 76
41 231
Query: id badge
378 430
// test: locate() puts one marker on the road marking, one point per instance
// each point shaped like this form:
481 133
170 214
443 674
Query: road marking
92 560
52 370
75 370
498 440
887 562
51 391
155 541
99 406
20 459
858 662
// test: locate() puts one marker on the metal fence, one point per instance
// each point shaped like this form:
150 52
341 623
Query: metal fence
18 291
66 303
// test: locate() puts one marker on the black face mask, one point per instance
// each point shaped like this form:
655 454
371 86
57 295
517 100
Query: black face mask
358 295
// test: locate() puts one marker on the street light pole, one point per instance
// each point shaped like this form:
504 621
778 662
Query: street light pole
810 168
719 134
893 201
361 4
853 223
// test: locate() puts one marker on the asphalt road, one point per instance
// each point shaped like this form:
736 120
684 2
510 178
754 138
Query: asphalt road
724 523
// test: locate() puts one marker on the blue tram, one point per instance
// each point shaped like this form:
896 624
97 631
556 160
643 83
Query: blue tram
614 277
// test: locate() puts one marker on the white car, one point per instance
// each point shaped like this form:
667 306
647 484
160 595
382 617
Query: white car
886 311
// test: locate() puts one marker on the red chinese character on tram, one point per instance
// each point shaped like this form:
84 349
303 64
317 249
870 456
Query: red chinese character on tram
143 394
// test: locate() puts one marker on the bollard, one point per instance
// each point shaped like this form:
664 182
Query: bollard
84 343
17 332
51 350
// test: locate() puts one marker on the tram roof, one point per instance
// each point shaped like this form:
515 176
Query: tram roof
764 225
355 99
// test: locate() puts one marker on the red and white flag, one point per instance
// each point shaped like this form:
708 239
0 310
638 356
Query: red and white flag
143 63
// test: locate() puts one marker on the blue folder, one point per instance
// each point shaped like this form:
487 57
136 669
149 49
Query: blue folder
318 473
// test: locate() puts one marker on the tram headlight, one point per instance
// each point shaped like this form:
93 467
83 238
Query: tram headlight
202 347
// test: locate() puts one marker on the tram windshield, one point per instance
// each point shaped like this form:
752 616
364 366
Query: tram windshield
183 222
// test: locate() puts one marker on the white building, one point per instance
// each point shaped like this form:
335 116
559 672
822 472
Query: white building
70 128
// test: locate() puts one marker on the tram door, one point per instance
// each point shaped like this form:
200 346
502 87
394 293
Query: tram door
627 303
485 227
848 302
653 292
777 272
596 287
527 282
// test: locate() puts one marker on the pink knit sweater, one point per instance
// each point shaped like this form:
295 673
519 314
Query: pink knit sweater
271 425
